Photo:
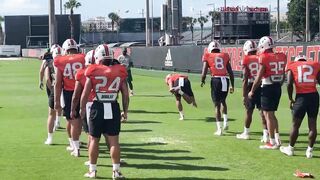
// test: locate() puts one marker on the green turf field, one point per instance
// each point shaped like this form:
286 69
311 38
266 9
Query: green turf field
155 144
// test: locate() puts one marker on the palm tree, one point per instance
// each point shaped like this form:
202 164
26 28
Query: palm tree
202 20
71 4
115 19
189 22
214 16
1 32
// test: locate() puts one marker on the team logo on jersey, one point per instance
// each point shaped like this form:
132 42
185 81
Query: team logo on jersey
168 61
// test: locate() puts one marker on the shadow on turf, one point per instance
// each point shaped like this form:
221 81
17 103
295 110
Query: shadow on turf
182 178
153 157
136 130
140 150
174 166
151 112
142 122
208 119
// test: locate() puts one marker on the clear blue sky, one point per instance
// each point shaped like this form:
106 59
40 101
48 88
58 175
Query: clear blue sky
93 8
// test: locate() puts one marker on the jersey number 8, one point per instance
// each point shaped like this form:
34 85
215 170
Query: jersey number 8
71 69
218 62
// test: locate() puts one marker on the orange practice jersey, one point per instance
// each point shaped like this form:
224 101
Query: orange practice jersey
82 79
69 65
217 63
174 77
106 79
275 64
305 75
251 63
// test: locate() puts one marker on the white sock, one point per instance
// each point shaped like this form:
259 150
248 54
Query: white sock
219 124
70 142
181 114
290 147
310 148
246 130
225 119
76 144
50 135
92 167
265 132
276 135
116 167
58 119
272 141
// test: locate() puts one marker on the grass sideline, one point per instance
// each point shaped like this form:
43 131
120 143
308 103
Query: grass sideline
155 144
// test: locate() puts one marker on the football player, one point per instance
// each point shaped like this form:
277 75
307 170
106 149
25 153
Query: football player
125 59
219 64
67 67
271 75
304 75
106 79
47 71
179 85
80 82
250 67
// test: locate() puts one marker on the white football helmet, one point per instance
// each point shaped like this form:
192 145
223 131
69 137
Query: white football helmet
249 46
69 44
53 47
102 52
265 43
56 51
89 59
214 45
300 57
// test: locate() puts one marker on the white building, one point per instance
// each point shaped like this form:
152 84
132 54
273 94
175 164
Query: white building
98 24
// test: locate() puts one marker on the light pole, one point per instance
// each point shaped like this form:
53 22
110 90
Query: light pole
278 20
151 22
147 24
307 21
52 23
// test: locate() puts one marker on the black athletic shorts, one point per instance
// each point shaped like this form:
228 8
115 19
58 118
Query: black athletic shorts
270 97
186 88
255 101
50 97
67 95
306 103
98 125
216 90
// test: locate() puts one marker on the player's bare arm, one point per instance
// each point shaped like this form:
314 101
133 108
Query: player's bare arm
58 90
204 73
84 97
230 72
76 98
290 88
41 75
125 100
244 85
257 81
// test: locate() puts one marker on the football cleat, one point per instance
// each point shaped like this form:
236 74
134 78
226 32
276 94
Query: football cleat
117 175
48 141
75 153
181 118
309 153
268 145
92 174
287 150
264 139
244 136
69 148
218 132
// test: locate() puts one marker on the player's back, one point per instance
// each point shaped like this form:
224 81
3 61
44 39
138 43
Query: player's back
69 65
251 62
217 63
274 66
305 75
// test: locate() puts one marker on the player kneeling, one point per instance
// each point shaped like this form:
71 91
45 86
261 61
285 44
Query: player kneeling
106 79
304 75
179 85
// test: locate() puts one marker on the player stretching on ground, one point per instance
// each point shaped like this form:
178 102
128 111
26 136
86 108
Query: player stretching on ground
106 80
304 75
67 67
271 75
179 85
250 67
219 64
